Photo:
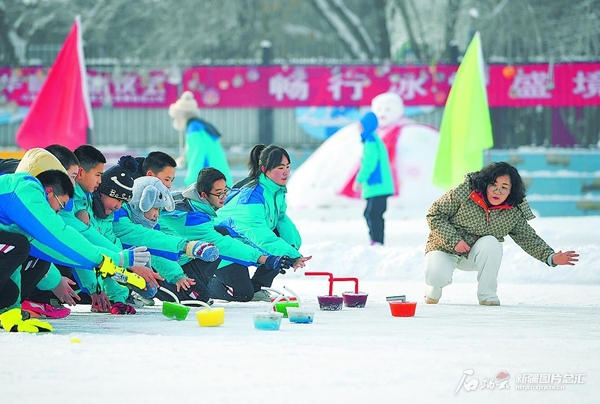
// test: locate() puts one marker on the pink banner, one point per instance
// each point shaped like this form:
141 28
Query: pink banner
127 90
293 86
20 85
131 90
564 85
561 85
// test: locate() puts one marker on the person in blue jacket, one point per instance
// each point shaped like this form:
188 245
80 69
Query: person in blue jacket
125 224
374 177
42 302
105 295
203 147
256 213
194 215
28 207
182 283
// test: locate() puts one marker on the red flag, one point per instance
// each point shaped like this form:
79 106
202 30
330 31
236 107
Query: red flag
61 112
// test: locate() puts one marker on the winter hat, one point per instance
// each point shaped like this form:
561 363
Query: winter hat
117 182
150 192
37 160
183 109
369 122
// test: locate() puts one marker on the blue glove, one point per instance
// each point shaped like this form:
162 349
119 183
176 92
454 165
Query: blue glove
199 249
277 263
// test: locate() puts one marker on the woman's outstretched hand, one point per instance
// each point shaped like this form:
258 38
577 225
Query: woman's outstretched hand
565 258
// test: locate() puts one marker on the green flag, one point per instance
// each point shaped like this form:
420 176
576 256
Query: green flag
466 129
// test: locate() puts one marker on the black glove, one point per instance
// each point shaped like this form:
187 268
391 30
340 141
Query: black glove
278 263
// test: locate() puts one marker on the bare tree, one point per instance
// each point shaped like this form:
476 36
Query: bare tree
538 30
414 44
7 51
20 22
218 31
347 26
450 31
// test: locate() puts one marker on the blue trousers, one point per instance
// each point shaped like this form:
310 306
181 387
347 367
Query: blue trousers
374 211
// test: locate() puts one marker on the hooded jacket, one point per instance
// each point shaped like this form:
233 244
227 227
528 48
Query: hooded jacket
252 214
24 209
194 218
203 150
375 174
149 192
461 214
166 244
89 282
36 161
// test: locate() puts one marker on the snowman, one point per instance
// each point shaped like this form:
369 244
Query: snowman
325 179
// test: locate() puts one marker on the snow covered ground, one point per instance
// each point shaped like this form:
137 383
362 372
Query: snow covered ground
544 336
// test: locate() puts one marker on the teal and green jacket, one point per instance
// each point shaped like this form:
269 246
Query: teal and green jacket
169 269
165 243
203 150
195 218
89 282
253 213
375 174
82 200
24 209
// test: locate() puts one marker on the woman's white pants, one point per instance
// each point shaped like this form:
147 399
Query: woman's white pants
485 257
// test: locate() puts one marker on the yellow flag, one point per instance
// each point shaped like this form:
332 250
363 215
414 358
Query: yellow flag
466 129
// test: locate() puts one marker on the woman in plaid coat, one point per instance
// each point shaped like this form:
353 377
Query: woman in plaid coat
467 225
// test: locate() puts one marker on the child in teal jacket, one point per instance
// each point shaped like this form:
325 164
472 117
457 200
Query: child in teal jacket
186 282
256 213
80 215
28 207
194 216
203 147
374 177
